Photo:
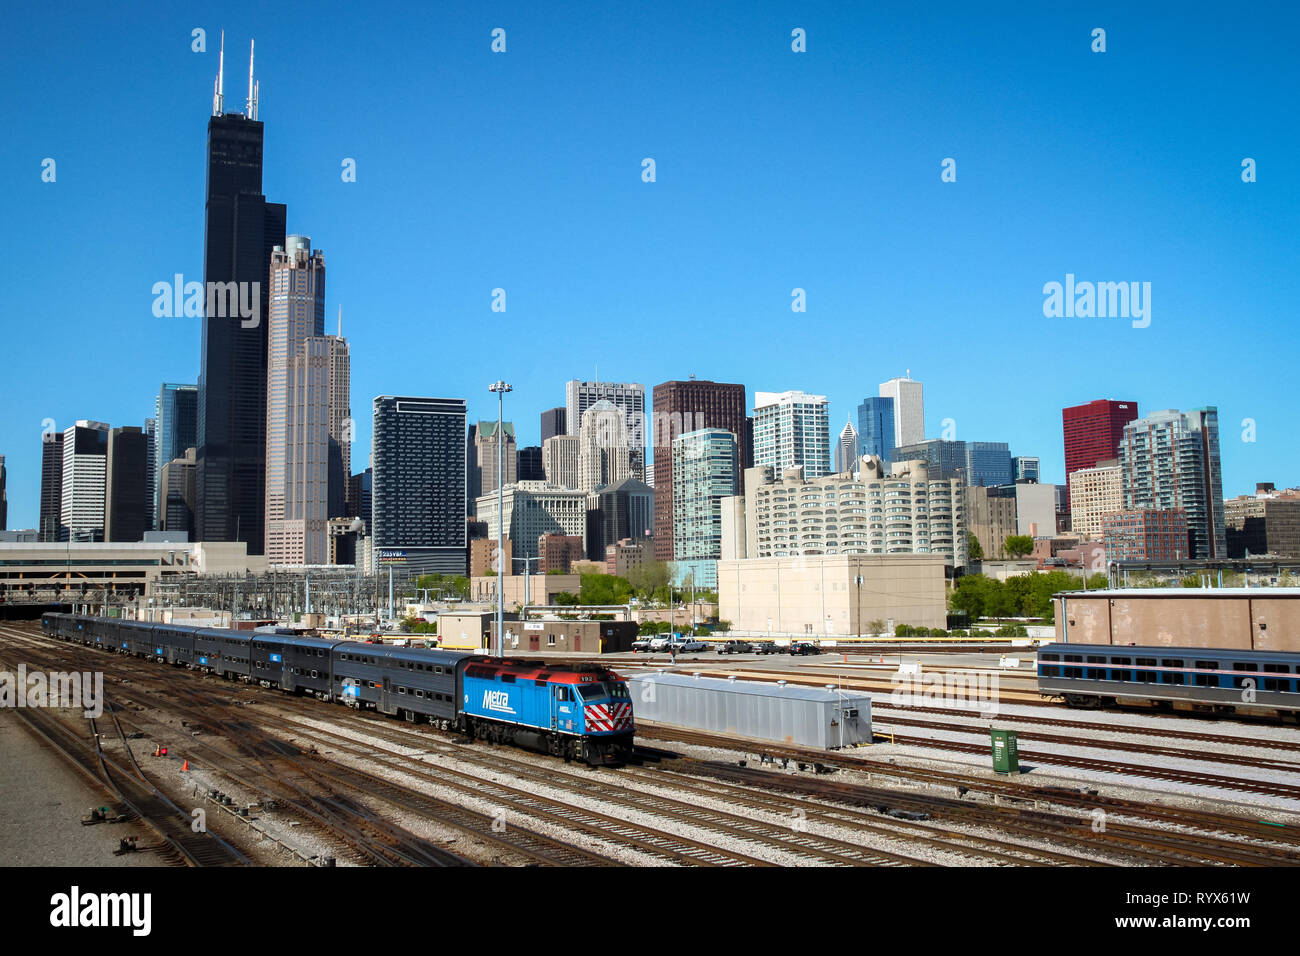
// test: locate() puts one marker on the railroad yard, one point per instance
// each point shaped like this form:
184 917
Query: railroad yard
253 776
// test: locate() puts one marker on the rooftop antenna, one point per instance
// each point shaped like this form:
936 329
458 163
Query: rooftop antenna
340 321
218 91
250 106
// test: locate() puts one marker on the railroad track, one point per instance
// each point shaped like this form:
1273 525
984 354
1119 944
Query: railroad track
1164 835
141 800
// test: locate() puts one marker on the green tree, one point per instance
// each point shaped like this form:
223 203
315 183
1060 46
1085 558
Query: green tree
876 627
1019 545
974 550
565 599
648 578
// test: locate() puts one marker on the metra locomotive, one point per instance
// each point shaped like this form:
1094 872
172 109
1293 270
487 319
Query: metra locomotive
1197 679
575 711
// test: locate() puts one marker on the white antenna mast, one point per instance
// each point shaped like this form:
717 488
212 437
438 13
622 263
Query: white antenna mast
250 109
218 92
340 321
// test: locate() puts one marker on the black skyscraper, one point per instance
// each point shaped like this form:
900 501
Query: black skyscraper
241 230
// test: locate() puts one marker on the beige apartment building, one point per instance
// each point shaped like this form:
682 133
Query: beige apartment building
1094 493
991 519
883 510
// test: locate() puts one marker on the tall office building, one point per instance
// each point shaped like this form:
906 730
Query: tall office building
982 463
554 423
51 519
706 469
177 488
909 409
4 497
685 406
623 511
846 451
876 428
240 232
418 504
151 474
128 503
176 428
604 452
360 488
528 464
628 397
792 430
1026 468
1093 433
562 461
484 463
1171 462
308 440
85 474
1094 493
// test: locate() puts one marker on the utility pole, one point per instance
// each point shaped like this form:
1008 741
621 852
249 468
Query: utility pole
501 388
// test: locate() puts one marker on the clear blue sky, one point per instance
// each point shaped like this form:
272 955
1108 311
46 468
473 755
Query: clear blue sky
775 170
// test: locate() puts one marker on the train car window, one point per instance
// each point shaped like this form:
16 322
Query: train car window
1074 672
1122 662
507 678
1207 680
1172 677
401 690
562 693
1073 657
419 693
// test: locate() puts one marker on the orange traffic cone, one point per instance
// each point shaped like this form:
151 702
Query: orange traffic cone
185 766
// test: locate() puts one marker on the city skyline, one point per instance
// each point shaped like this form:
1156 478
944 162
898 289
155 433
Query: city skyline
592 281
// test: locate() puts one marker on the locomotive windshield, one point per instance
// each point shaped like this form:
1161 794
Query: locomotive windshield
591 691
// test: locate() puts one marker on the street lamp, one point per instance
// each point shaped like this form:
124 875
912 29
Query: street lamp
500 388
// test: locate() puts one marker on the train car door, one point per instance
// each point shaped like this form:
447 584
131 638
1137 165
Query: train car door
386 697
562 707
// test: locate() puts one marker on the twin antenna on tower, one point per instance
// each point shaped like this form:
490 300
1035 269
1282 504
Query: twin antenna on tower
219 91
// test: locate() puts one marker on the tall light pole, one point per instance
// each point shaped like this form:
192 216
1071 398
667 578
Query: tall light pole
500 388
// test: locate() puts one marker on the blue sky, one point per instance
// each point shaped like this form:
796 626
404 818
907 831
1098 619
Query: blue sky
775 170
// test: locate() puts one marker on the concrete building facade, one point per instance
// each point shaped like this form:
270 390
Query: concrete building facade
1094 493
85 481
628 397
909 409
832 595
532 509
562 461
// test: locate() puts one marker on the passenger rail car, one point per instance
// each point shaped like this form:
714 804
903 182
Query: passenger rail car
1195 679
576 711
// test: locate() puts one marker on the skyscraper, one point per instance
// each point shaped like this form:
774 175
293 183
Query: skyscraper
51 519
706 469
308 414
1170 461
241 230
177 487
553 423
1093 432
628 397
1026 467
562 461
4 497
418 504
624 511
151 473
792 429
876 428
604 452
127 501
909 409
484 462
528 464
176 418
846 451
685 406
85 473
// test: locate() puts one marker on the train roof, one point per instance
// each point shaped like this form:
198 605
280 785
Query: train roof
392 652
557 672
1149 649
296 640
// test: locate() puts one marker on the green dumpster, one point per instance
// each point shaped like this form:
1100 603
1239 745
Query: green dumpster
1006 754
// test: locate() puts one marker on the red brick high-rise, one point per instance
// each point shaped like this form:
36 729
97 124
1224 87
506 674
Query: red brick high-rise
1093 433
680 407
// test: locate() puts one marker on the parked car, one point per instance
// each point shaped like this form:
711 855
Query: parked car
643 643
660 643
768 647
804 647
691 645
736 647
